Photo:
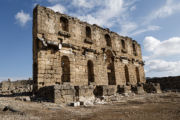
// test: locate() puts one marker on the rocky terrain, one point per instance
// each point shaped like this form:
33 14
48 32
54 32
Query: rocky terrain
164 106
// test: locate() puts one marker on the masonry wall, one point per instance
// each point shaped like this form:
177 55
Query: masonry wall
52 43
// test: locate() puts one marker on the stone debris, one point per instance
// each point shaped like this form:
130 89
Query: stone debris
75 104
25 98
8 108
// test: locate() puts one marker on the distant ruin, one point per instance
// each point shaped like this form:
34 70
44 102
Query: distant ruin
171 83
16 88
74 59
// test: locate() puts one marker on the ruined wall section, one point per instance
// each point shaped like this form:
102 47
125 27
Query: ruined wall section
19 87
166 83
51 43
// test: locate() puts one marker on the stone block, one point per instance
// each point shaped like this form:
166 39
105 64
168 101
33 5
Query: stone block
124 89
152 88
103 90
138 89
75 104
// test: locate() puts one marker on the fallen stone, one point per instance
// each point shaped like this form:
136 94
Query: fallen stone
8 108
75 104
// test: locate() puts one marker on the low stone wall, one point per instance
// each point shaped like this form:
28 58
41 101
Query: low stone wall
138 89
105 90
166 83
64 93
67 93
20 87
152 88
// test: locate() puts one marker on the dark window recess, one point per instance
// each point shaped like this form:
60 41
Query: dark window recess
134 49
64 24
58 83
90 72
126 74
88 36
88 32
137 75
110 68
65 65
108 40
123 44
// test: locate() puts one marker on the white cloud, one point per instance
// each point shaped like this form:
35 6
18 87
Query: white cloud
58 8
157 67
170 7
133 8
54 1
145 57
128 27
159 48
115 13
107 13
150 43
84 3
22 18
163 56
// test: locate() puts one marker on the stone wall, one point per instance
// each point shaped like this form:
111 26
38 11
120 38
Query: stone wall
20 87
65 93
66 49
166 83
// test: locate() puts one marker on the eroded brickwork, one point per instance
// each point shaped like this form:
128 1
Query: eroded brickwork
67 50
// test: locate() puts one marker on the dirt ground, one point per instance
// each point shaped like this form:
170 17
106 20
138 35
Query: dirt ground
165 106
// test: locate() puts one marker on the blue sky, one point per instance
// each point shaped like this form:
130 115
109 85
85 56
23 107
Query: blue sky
153 23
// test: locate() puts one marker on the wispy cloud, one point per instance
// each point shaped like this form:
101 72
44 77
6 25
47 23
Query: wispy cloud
84 3
58 8
147 29
128 27
22 18
169 8
106 13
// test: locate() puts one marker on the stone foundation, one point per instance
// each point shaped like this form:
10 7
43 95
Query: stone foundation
105 90
66 93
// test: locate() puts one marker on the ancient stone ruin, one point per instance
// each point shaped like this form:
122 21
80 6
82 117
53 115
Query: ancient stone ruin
16 88
74 60
166 83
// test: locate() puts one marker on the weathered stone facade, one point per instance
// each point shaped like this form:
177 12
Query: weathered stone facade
67 50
